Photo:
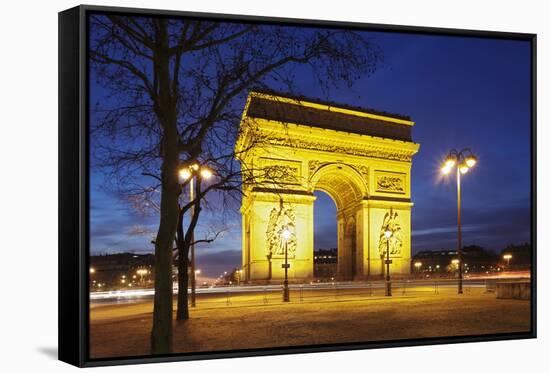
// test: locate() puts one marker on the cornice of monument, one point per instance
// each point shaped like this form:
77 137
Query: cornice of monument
274 133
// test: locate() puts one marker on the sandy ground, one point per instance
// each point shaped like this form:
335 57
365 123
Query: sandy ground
123 330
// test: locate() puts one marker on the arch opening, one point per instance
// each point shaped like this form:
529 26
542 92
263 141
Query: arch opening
346 187
325 237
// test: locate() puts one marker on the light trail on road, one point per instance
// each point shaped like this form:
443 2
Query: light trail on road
137 295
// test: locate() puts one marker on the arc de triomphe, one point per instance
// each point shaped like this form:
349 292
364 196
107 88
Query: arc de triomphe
289 148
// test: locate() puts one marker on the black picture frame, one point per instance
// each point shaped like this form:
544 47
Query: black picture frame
74 201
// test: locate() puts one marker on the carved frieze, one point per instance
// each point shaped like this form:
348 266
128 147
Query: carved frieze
373 152
390 182
314 166
282 174
279 171
364 170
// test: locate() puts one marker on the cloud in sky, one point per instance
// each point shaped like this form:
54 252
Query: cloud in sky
444 230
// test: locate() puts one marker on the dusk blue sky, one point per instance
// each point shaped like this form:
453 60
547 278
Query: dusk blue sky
461 92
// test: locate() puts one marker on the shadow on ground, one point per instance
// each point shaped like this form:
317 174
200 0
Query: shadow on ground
50 352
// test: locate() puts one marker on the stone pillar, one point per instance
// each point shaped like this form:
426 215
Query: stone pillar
245 246
398 216
350 243
360 243
344 246
267 219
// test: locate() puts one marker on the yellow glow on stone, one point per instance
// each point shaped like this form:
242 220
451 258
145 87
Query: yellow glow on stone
365 176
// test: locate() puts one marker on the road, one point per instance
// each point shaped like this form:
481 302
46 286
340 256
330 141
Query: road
141 295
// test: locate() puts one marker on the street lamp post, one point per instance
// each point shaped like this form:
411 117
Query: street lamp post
239 274
418 266
286 293
388 234
193 284
269 269
185 174
455 262
92 272
507 257
141 272
464 160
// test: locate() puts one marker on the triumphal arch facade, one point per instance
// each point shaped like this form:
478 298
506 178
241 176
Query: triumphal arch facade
290 147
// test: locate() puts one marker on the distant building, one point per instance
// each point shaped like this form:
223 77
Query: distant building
121 270
475 259
325 263
519 256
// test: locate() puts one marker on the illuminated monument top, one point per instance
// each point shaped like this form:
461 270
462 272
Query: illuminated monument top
328 116
288 148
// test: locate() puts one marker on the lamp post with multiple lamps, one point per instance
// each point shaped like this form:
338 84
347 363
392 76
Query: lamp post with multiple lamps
189 173
285 234
388 261
464 160
142 272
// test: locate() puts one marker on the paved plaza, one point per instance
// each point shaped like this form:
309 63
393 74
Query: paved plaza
251 321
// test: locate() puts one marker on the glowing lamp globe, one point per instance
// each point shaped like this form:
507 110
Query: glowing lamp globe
206 173
471 161
450 162
445 169
286 234
184 174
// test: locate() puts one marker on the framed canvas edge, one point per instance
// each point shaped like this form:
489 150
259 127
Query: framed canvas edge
71 190
69 294
534 247
312 22
308 349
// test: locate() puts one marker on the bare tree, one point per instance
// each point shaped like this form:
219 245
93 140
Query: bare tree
172 92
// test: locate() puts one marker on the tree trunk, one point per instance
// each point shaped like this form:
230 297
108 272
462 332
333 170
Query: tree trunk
161 335
184 244
183 296
165 109
183 278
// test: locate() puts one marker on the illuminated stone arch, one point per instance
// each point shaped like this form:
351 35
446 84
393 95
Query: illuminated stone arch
343 183
290 147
